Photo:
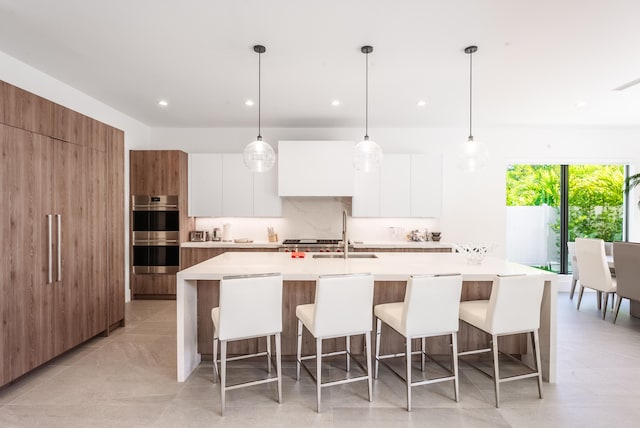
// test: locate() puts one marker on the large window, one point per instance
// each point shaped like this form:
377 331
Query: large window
548 205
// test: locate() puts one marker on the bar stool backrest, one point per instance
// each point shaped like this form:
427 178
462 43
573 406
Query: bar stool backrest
250 305
431 304
344 304
514 305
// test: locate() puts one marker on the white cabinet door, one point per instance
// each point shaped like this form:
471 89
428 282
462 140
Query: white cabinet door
395 186
266 202
315 168
366 196
237 187
205 185
426 186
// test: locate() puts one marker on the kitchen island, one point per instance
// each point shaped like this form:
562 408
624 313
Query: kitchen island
390 271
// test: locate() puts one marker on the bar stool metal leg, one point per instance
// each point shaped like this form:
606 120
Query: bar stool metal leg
348 354
378 330
454 362
407 354
318 371
216 374
279 366
536 350
299 350
223 374
496 368
367 344
269 354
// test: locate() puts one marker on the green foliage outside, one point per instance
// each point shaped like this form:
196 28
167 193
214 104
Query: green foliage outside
595 196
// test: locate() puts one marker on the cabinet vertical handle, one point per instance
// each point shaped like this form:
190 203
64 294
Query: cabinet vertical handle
49 248
59 217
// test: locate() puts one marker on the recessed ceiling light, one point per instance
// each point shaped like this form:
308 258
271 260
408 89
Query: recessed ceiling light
581 104
163 103
422 103
248 103
335 103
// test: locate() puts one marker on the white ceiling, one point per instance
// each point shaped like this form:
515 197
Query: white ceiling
536 60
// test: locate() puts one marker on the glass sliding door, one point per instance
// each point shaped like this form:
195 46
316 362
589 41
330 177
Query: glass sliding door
533 213
549 205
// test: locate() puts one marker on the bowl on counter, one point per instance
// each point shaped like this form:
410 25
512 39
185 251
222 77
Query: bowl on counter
474 253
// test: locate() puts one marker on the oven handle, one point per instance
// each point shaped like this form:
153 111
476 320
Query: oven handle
155 207
154 241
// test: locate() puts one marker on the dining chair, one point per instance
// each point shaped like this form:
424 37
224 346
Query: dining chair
512 308
250 307
594 270
343 308
575 271
430 308
626 260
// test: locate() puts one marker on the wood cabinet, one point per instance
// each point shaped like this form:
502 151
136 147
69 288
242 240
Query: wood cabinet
220 185
56 231
406 186
159 172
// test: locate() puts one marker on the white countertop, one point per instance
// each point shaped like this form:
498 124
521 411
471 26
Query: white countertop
221 244
387 267
401 244
356 244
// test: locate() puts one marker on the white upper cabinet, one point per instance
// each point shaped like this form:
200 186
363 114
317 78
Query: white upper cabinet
426 186
220 185
406 186
395 186
205 185
266 202
315 168
366 197
237 187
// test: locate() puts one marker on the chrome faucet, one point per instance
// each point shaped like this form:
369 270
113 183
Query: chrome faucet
345 240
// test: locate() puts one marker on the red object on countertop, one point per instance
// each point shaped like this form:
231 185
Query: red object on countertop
297 255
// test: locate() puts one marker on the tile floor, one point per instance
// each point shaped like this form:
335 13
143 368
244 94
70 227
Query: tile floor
128 380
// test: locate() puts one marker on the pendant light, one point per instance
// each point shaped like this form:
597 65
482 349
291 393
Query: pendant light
472 155
259 156
367 155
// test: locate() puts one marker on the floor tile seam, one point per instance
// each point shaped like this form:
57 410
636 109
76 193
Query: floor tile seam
38 383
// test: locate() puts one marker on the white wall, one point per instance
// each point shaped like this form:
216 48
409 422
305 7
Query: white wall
136 134
473 204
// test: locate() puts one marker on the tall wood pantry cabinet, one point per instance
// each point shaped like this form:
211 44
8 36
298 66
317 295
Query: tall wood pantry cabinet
62 231
159 172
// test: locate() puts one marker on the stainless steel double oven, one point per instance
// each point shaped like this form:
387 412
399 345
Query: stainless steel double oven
155 242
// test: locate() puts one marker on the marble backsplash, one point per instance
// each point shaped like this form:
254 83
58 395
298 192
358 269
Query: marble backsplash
318 217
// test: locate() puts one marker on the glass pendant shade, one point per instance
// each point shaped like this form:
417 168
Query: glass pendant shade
367 156
259 156
472 155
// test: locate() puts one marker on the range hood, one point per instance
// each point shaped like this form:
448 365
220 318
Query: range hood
316 168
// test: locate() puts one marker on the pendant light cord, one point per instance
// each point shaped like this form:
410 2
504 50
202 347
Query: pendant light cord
470 94
366 97
259 94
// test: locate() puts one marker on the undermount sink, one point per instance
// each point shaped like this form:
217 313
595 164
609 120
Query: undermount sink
341 256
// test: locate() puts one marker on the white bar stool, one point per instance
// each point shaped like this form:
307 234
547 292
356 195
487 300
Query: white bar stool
430 308
513 308
250 306
343 307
